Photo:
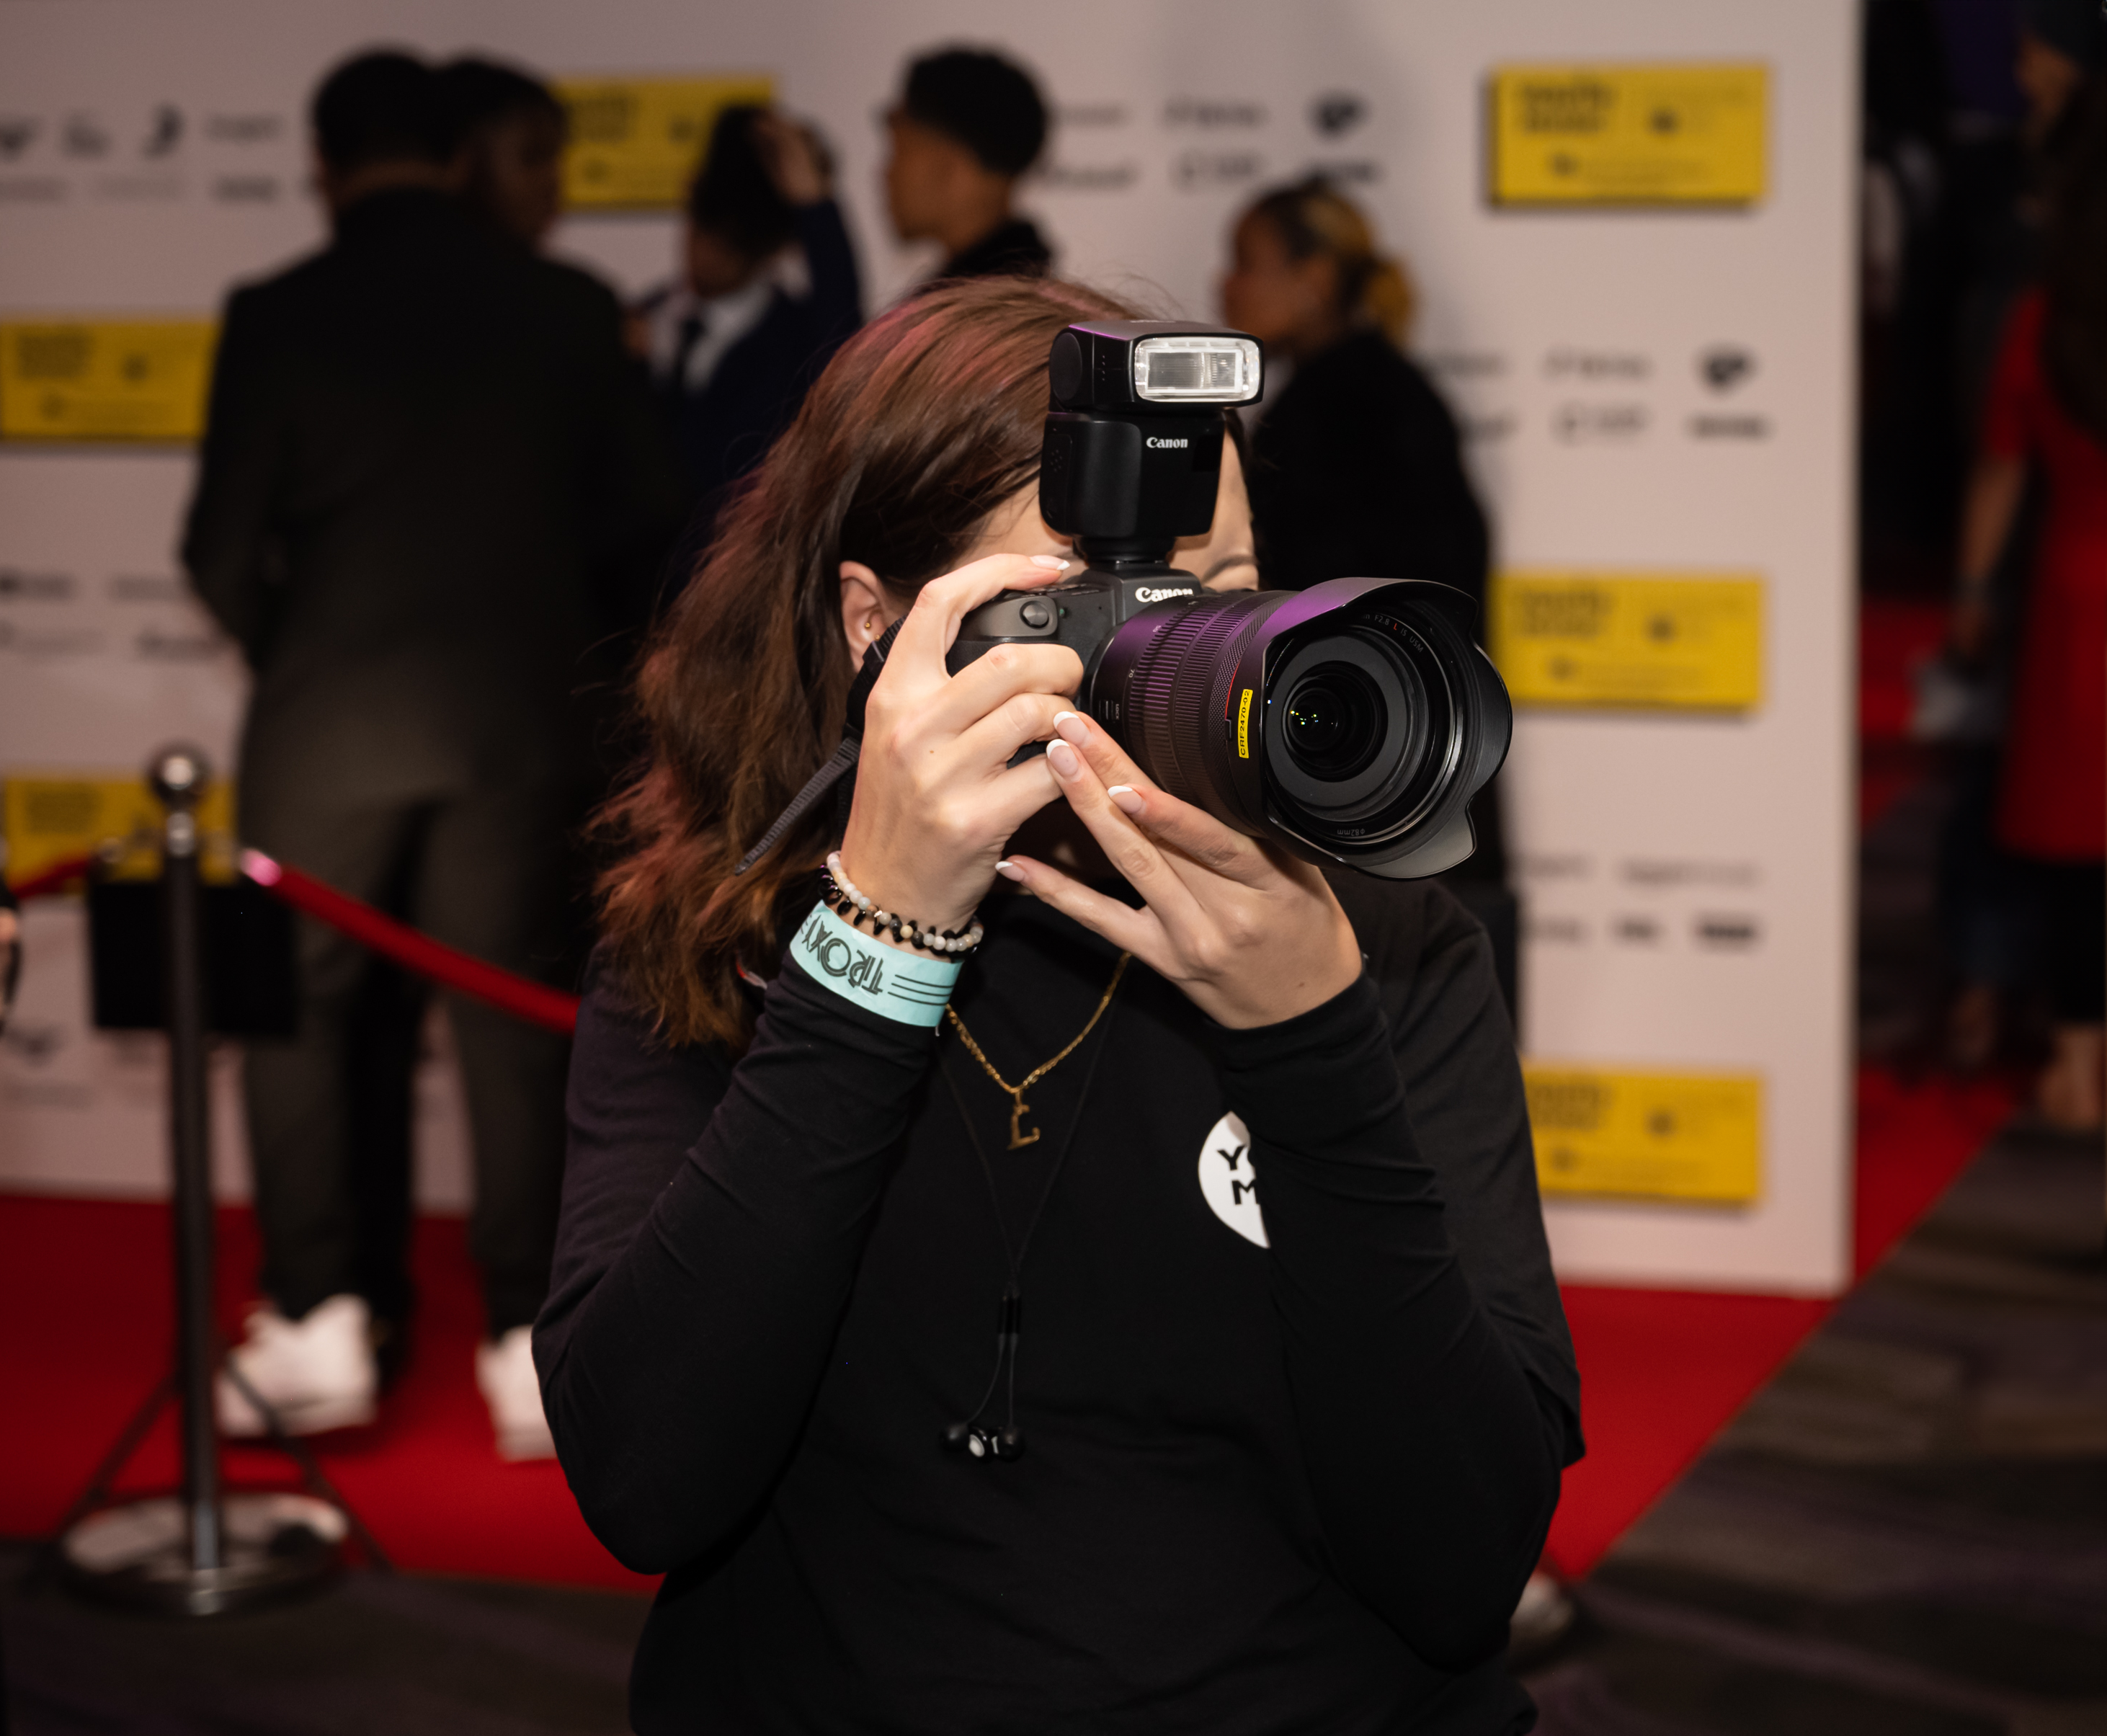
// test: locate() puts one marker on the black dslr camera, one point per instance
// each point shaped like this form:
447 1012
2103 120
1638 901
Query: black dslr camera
1351 723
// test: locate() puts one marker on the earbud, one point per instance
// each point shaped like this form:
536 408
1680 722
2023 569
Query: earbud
955 1436
1009 1443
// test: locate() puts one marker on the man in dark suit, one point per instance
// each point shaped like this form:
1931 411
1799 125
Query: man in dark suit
430 486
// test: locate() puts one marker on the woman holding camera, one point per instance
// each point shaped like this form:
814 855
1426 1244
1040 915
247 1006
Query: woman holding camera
1233 1157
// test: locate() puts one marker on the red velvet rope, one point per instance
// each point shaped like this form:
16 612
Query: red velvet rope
46 881
535 1002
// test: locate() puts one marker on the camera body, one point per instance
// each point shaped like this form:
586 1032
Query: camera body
1351 723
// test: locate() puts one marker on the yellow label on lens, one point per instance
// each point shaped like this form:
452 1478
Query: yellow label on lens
1693 1137
1689 134
97 380
1671 642
637 143
1243 727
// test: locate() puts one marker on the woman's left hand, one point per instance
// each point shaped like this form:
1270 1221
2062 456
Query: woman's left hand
1250 935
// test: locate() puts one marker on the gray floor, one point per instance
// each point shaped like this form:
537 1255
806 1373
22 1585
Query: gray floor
373 1657
1905 1533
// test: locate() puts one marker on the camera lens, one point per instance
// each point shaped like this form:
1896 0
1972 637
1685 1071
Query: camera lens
1334 723
1351 723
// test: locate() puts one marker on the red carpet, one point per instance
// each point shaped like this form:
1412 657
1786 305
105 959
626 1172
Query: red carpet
84 1288
1662 1371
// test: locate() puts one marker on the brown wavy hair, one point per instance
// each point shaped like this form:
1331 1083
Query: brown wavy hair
924 423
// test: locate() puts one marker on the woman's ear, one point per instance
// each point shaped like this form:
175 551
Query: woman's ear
866 609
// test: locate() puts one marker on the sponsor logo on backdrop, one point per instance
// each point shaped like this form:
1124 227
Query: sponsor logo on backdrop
1556 931
1593 424
48 645
1355 171
84 136
1197 170
192 646
1335 113
1629 640
1668 870
1555 865
1688 1136
1728 934
1570 361
246 129
18 586
1209 111
1743 427
1093 115
1725 366
1660 134
164 132
251 190
144 587
17 133
34 1044
1636 931
1465 364
1091 177
1498 424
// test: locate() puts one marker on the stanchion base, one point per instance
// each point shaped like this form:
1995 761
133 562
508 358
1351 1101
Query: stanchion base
276 1547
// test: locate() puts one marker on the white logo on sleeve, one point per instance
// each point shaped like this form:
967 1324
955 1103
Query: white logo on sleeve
1227 1182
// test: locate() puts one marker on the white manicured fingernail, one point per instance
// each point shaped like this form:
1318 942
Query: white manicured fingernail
1125 798
1009 870
1072 725
1054 562
1063 758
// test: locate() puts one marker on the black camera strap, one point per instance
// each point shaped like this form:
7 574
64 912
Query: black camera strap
841 761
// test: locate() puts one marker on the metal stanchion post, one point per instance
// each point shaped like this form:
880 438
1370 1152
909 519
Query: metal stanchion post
205 1552
178 780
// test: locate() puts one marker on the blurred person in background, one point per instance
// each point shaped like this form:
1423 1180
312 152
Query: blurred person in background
1226 558
2047 412
967 127
1357 464
768 291
429 478
510 132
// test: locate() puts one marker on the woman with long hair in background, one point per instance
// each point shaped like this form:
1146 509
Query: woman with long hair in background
2047 412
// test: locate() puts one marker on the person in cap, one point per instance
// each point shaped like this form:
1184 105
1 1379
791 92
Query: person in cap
966 129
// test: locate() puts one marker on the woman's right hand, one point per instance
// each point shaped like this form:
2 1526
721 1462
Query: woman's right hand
936 798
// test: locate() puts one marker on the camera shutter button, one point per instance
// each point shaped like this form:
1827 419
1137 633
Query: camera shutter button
1034 613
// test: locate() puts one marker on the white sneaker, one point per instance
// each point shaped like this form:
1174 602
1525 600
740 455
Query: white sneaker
504 1370
317 1373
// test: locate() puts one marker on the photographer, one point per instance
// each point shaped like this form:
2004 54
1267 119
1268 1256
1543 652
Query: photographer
1223 1471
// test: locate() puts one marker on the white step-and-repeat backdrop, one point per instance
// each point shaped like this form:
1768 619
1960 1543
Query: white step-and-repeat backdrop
1630 223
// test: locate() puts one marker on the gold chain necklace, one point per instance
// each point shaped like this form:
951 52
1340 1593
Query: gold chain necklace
1017 1136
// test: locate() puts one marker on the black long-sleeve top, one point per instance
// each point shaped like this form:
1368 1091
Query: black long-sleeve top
1286 1487
1357 471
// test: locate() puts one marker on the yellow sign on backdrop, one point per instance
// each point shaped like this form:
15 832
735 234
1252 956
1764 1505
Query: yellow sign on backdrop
105 379
1648 135
1682 642
636 143
1694 1137
50 816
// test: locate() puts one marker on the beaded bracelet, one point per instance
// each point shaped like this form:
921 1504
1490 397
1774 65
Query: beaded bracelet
841 897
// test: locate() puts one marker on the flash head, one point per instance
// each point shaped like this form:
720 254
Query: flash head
1114 365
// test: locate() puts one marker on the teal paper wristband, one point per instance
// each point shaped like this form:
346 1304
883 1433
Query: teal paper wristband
880 979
